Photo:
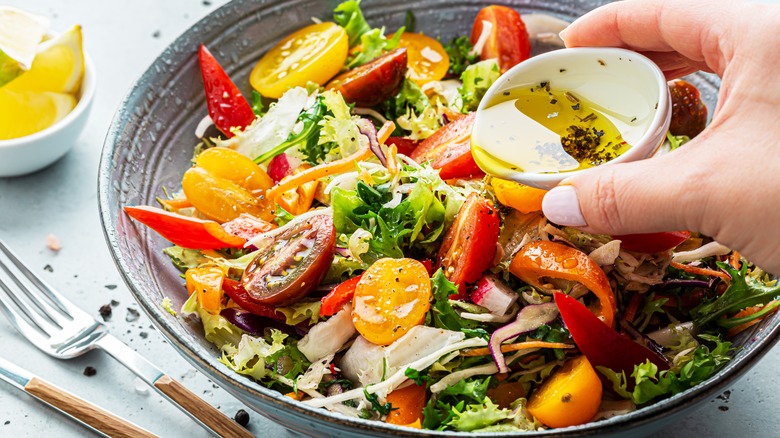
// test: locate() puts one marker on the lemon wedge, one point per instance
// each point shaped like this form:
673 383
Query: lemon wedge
20 34
26 113
58 66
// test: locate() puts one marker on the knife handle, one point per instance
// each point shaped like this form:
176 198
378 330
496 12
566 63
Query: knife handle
91 415
196 406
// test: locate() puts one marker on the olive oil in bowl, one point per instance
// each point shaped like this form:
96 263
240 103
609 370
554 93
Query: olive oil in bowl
540 129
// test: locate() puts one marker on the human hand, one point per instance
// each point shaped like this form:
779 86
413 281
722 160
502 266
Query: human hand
723 183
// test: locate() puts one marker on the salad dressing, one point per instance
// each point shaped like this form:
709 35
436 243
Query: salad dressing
539 129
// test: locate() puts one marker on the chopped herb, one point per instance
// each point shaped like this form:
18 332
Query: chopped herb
382 409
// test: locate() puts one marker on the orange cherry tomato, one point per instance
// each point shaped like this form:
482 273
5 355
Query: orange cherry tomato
315 53
521 197
426 58
391 297
508 40
571 396
220 199
206 281
236 167
408 404
545 259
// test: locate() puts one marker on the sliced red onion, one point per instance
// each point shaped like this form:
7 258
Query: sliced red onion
529 318
494 295
369 130
255 325
344 252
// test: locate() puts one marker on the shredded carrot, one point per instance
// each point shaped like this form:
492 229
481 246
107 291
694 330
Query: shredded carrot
734 260
392 165
516 347
747 312
701 271
175 204
295 396
334 167
385 132
633 307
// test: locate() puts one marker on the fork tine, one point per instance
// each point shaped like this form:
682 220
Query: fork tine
25 328
65 307
44 309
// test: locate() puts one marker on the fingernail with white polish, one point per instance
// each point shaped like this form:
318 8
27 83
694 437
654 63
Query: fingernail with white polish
562 35
561 206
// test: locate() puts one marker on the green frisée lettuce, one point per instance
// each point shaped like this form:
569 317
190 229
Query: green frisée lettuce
374 44
184 258
477 78
442 313
339 135
349 16
218 330
306 310
649 383
420 126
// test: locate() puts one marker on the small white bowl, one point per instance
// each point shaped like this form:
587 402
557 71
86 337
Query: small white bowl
613 78
23 155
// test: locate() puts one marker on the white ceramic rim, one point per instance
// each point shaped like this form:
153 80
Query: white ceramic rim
86 94
661 117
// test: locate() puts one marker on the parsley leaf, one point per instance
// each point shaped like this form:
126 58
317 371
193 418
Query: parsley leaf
382 409
460 51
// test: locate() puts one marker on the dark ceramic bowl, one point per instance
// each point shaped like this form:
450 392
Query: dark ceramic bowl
150 144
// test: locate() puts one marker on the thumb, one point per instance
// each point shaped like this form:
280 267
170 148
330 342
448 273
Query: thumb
640 197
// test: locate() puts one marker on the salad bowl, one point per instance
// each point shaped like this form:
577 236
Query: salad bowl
149 146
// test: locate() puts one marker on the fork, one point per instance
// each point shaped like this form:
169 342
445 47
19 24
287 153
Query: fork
62 330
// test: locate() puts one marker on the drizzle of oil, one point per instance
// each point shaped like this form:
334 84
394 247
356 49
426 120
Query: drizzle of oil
521 130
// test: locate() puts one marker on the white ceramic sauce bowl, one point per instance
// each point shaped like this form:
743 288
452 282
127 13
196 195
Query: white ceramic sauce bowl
23 155
618 80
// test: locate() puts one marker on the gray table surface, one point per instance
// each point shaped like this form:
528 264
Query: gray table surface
123 37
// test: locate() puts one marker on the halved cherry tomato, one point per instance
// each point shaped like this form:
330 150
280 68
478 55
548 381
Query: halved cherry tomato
206 281
227 106
506 393
689 115
315 53
407 404
521 197
404 145
652 242
220 199
508 39
544 259
240 296
340 295
236 167
449 150
571 396
185 231
470 244
247 227
372 83
428 61
289 267
392 296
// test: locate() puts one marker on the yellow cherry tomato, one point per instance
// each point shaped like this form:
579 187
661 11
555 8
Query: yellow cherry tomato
521 197
391 297
571 396
206 281
220 199
427 60
313 54
236 167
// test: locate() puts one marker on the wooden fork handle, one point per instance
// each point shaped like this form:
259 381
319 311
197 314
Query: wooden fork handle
84 411
209 415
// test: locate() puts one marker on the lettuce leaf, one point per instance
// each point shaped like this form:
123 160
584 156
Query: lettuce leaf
184 258
301 311
477 78
217 330
478 416
374 44
442 313
349 16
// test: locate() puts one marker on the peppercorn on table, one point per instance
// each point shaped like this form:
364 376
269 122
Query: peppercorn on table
57 207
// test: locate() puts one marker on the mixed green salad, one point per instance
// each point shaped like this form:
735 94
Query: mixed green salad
340 245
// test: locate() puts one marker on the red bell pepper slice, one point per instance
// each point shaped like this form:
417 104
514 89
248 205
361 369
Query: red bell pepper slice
227 106
543 258
240 296
340 295
652 242
602 345
185 231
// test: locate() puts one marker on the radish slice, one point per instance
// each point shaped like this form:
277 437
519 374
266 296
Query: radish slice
282 165
494 295
529 318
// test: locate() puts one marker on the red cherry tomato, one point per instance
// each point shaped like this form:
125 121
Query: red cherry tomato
372 83
404 145
449 150
508 40
470 244
240 296
652 242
